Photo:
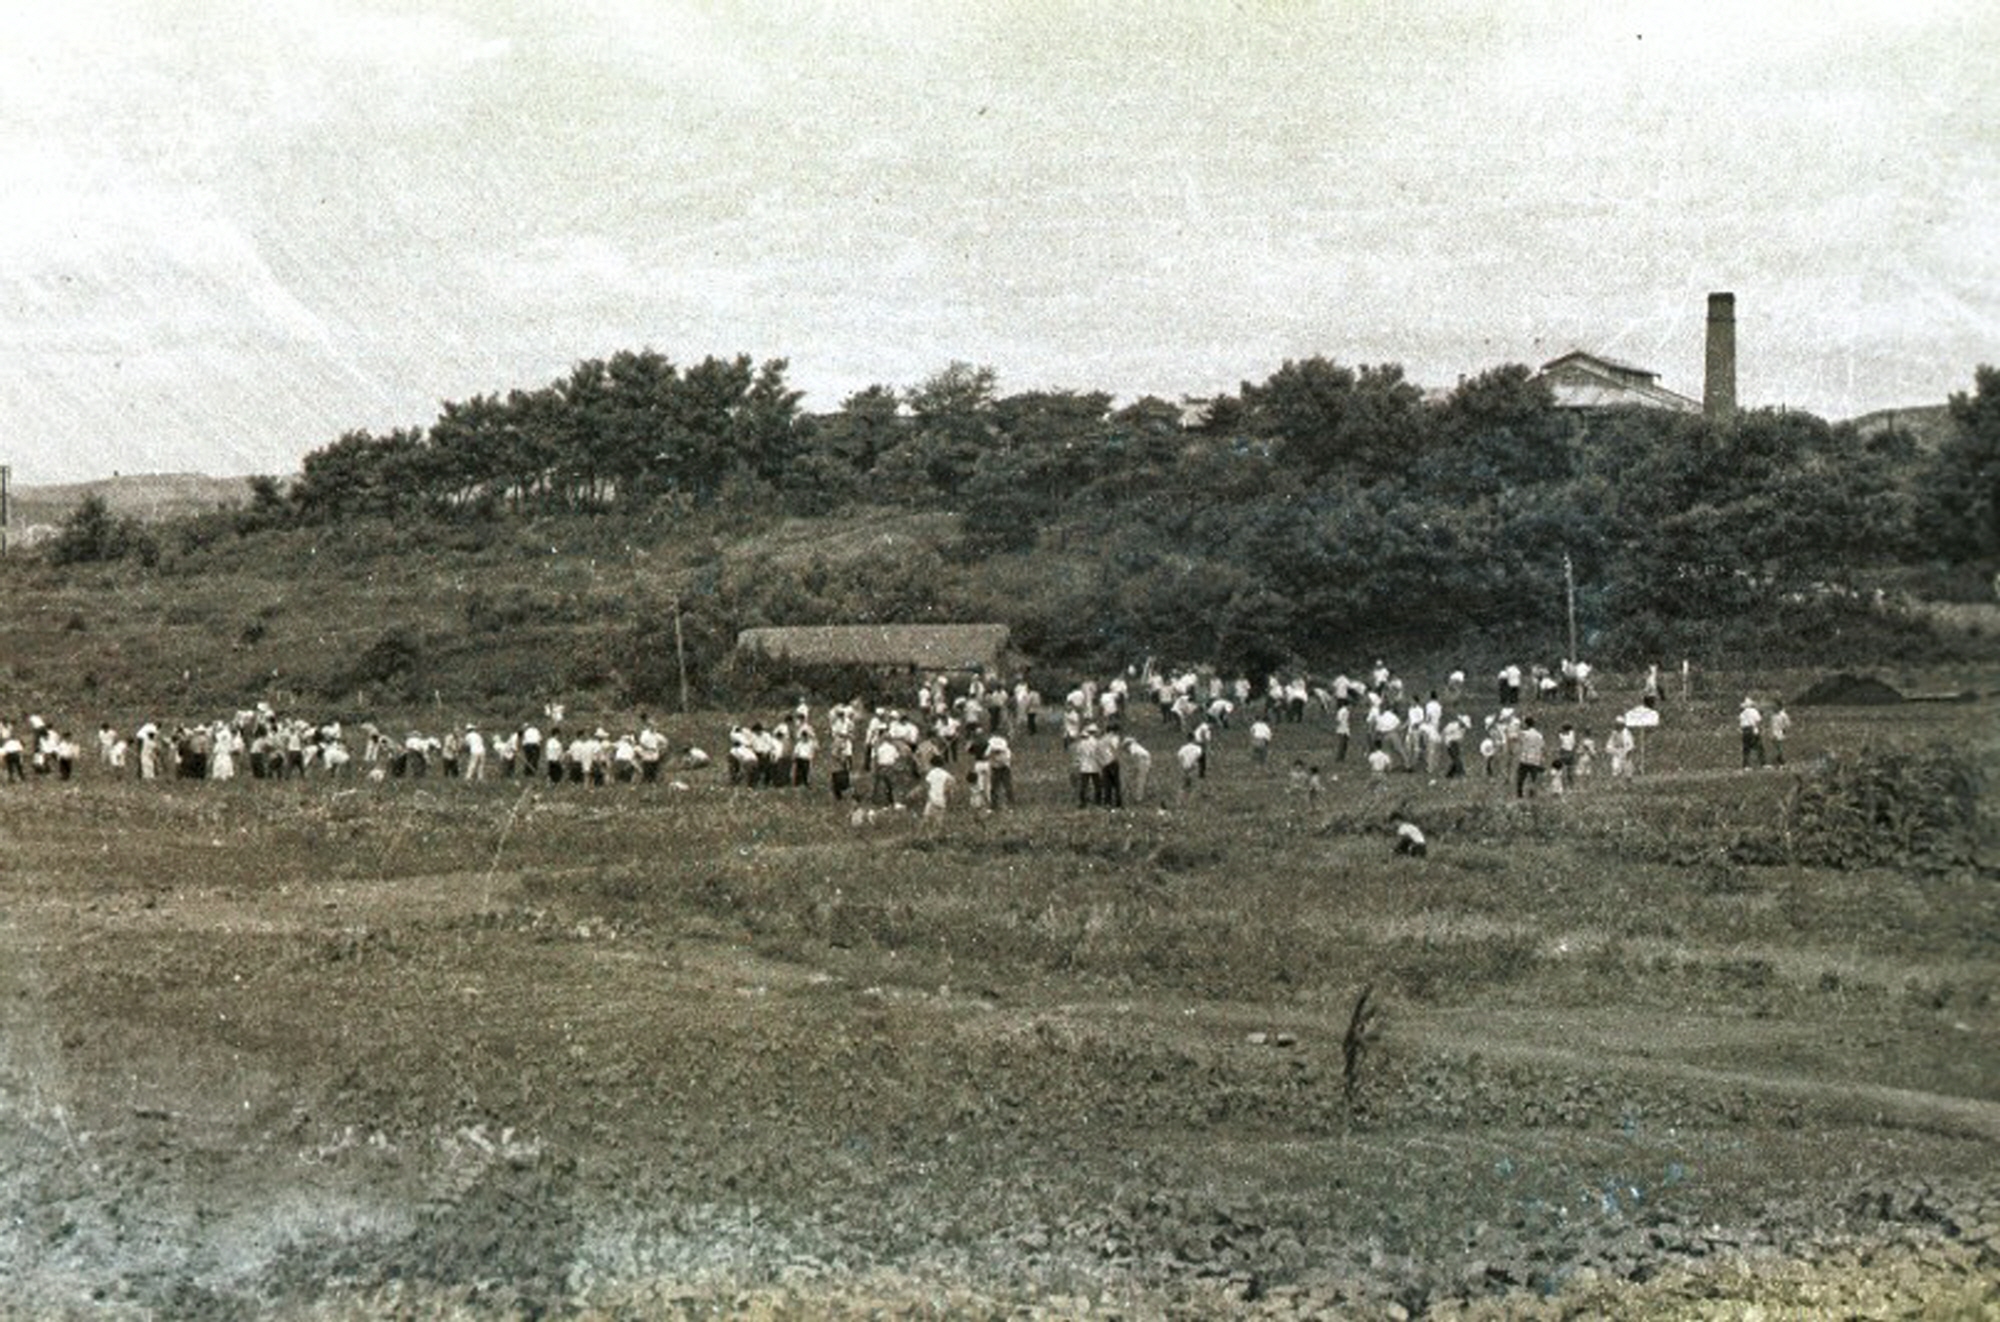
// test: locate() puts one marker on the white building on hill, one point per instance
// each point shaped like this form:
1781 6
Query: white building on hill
1583 380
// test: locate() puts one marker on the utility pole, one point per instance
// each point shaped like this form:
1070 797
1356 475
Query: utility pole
6 500
680 655
1569 590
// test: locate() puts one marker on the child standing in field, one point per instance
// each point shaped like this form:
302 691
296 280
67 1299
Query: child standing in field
1565 759
982 775
1313 787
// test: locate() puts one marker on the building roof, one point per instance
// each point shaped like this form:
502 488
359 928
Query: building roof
926 646
1612 365
1582 380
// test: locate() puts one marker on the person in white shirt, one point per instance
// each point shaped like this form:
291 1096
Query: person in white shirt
1778 727
1453 736
1000 764
884 761
1141 763
222 757
1619 745
1750 723
1089 765
1413 747
1383 728
742 762
805 747
937 791
652 749
1110 775
1530 759
1191 756
147 735
295 743
474 749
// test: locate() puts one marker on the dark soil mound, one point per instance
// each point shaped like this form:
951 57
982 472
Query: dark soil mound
1845 690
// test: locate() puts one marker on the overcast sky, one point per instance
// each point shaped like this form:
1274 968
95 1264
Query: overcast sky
234 231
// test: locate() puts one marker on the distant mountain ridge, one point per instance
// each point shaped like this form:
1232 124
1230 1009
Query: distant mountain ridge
148 497
1927 424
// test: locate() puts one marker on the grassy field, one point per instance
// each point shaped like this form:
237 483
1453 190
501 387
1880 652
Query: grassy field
427 1047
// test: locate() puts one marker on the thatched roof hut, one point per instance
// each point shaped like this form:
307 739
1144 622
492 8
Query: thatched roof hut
901 646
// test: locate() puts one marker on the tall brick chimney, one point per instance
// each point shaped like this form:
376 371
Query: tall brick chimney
1718 387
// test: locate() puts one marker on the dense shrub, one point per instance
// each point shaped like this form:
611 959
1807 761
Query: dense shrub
1321 513
393 662
1877 809
92 533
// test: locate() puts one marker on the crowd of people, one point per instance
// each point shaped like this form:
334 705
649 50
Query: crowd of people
958 738
262 744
